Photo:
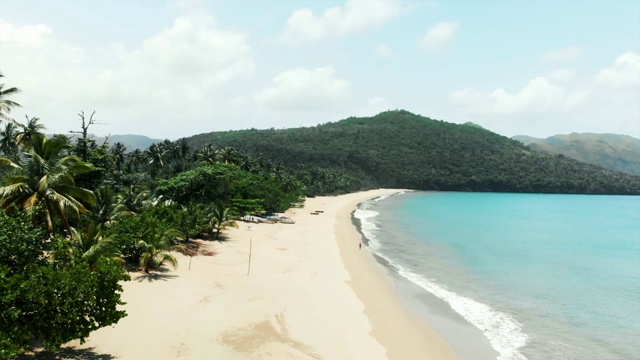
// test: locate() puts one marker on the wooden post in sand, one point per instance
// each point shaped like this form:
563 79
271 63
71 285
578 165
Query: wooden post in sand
249 266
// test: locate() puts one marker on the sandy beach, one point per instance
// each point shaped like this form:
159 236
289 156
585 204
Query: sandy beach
310 292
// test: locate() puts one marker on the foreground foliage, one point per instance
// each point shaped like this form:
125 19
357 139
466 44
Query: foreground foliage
51 297
155 245
45 176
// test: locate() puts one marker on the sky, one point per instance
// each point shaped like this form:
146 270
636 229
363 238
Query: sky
171 69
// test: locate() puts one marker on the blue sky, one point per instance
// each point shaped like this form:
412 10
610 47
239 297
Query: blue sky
169 69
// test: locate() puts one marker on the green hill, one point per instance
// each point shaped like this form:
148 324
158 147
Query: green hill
404 150
617 152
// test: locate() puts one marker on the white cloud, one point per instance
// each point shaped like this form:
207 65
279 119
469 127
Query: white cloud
438 36
562 74
563 54
189 58
305 90
378 104
304 27
560 101
625 72
179 73
30 36
575 98
374 106
384 51
467 97
538 95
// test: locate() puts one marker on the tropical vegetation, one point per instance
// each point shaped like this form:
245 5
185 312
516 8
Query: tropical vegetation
51 296
7 104
75 214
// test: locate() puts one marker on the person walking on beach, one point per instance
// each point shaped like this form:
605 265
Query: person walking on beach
360 246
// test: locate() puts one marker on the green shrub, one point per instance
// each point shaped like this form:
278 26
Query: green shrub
55 297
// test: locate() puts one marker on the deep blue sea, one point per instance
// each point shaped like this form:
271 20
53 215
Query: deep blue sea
543 276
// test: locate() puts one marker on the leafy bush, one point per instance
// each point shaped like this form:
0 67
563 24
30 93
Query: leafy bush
204 184
54 298
226 183
129 231
21 242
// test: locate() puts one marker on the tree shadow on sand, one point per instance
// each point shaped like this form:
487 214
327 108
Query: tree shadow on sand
153 276
211 238
67 353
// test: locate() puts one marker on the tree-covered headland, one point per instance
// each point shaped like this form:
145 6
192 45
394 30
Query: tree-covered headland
402 150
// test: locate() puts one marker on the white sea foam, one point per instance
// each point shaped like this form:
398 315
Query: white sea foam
503 331
382 197
367 226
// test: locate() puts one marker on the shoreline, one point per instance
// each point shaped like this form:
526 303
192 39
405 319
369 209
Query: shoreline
311 293
390 318
467 341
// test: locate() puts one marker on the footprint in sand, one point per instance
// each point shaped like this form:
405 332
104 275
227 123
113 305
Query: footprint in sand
181 350
252 338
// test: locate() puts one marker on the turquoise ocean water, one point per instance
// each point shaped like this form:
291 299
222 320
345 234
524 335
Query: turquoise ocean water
543 276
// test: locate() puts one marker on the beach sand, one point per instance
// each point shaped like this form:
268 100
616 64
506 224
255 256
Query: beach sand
311 292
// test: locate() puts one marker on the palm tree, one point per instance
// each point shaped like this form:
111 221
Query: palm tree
6 104
264 163
278 170
46 178
136 157
221 218
207 154
155 247
118 150
134 200
173 151
8 144
28 131
184 147
109 206
93 244
247 163
228 155
154 155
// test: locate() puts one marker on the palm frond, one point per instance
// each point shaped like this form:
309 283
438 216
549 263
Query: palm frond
168 258
30 203
13 193
77 193
4 162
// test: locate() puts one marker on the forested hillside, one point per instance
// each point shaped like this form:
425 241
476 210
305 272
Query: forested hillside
612 151
404 150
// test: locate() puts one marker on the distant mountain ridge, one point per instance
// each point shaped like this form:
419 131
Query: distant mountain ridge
130 141
399 149
612 151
